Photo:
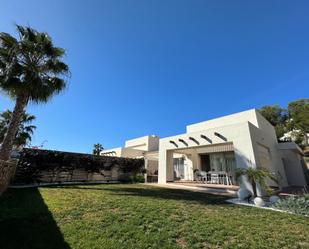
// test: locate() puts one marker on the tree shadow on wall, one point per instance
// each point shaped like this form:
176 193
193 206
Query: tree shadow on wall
26 222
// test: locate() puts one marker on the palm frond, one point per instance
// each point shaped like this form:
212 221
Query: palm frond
257 176
31 65
7 41
24 132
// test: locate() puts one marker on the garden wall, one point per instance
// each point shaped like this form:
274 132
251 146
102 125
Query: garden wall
46 166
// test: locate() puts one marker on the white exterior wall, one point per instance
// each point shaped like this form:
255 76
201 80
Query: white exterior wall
123 152
239 134
293 167
146 143
294 163
152 166
117 152
240 117
245 130
188 168
267 138
134 147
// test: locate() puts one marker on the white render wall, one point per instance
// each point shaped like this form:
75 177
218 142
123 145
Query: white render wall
135 147
268 139
123 152
236 118
146 143
294 163
245 130
112 152
239 134
293 167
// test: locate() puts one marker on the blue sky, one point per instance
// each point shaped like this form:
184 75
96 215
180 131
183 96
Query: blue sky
152 67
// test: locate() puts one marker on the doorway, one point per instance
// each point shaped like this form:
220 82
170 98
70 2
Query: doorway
205 163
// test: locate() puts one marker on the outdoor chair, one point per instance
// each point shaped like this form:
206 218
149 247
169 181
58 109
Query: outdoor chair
214 178
203 176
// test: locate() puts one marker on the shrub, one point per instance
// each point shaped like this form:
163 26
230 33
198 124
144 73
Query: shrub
139 178
295 204
257 176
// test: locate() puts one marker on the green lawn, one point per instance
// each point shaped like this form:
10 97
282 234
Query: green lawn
139 216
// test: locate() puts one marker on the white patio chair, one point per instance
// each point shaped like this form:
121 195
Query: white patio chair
214 178
203 176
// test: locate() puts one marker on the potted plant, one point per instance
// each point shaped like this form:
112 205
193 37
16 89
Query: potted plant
257 176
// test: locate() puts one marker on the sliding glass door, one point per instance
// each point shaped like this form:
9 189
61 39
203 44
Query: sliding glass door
222 162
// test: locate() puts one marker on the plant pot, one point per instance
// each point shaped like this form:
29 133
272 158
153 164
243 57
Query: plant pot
259 202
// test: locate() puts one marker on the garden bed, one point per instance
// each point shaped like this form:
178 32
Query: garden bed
237 201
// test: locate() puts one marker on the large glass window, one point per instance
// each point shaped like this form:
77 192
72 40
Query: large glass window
222 162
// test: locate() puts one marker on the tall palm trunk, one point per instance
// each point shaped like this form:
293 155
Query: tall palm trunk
7 144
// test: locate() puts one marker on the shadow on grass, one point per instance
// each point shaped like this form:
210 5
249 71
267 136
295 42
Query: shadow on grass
157 193
26 222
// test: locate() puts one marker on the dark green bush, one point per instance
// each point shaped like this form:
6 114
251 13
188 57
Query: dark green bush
295 204
138 178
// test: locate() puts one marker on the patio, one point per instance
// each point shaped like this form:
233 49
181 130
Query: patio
211 166
217 189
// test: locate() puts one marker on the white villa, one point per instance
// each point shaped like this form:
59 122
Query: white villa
213 149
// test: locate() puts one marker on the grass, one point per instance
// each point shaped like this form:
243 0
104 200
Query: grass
139 216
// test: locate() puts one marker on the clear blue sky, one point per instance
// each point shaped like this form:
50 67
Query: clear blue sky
152 67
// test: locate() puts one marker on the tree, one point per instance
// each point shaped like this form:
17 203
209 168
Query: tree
256 176
31 70
97 148
299 118
25 130
277 116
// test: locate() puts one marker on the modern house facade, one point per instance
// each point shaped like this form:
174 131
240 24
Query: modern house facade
217 148
146 147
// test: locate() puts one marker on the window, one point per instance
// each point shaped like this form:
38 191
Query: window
222 162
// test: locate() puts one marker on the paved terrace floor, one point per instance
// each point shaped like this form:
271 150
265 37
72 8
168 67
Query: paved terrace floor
216 189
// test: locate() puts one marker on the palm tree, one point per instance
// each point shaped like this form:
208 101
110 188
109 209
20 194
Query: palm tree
97 148
256 176
25 130
31 70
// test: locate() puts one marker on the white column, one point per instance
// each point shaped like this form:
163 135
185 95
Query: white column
188 168
166 171
146 168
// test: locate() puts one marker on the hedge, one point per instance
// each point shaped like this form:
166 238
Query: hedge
34 164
